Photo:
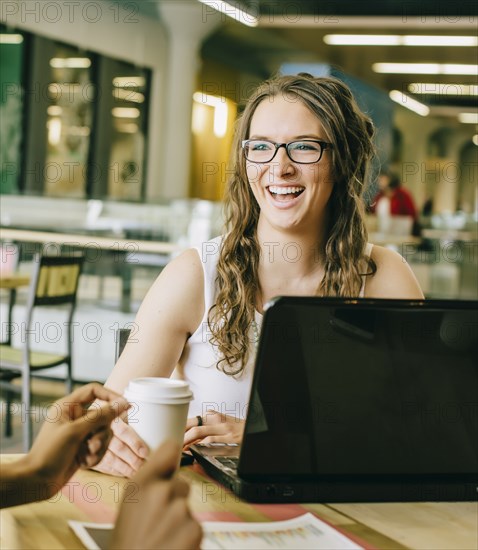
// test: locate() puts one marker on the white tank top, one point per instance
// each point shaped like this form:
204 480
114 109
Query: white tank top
212 388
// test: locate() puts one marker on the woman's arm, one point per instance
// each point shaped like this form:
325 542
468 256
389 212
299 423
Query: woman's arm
170 312
394 277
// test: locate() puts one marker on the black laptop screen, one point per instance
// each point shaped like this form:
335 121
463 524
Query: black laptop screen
373 388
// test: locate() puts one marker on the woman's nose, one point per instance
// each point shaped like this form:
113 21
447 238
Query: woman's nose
282 163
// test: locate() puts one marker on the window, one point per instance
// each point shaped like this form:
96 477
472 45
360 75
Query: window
118 170
71 96
75 122
12 47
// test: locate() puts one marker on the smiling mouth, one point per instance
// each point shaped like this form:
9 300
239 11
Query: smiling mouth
285 193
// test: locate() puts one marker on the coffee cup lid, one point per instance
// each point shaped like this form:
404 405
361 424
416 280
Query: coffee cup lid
159 390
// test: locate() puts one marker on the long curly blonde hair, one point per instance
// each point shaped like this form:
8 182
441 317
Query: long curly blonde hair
237 282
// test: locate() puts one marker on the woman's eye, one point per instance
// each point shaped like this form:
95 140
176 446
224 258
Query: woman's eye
304 146
261 146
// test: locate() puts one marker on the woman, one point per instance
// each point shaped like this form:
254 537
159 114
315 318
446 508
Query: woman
294 227
392 198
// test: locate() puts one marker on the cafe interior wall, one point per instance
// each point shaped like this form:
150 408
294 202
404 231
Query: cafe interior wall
140 40
441 173
209 148
447 174
146 42
211 153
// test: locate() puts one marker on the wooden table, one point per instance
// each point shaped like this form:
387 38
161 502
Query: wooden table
128 246
91 496
12 281
117 255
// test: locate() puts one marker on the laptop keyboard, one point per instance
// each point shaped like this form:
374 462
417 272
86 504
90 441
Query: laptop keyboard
228 461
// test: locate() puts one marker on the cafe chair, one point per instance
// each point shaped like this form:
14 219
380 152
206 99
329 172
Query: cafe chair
54 283
121 338
9 260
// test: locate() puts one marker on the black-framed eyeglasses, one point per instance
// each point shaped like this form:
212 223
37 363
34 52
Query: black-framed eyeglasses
304 151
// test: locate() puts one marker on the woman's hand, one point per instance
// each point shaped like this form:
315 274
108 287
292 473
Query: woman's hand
160 517
126 452
214 427
74 435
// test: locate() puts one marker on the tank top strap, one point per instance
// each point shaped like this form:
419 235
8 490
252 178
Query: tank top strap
367 253
209 256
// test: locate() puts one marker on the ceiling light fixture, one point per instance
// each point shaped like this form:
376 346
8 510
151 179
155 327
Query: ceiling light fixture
423 40
54 110
362 39
54 131
425 68
127 128
128 95
70 62
11 38
435 88
409 103
398 40
125 112
239 15
468 118
129 81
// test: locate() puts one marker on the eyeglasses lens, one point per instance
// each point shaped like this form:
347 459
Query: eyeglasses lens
299 151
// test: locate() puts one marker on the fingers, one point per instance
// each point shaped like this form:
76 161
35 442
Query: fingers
113 465
162 518
180 488
73 406
195 434
96 447
126 452
129 462
191 422
126 434
97 418
89 392
214 417
217 439
210 417
98 441
224 429
161 464
200 432
181 530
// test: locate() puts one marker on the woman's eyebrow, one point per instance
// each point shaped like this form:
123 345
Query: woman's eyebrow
265 138
295 138
308 136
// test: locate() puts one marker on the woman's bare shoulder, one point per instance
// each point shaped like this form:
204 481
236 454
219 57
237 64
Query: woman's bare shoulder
187 266
393 279
171 311
179 289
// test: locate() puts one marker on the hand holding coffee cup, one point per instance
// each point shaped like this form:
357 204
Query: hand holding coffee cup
159 409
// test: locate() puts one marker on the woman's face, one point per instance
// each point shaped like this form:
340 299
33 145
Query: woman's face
290 195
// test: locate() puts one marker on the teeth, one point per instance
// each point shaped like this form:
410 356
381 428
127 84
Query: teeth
284 190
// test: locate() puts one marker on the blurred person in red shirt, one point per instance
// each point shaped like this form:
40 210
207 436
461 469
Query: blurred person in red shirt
392 198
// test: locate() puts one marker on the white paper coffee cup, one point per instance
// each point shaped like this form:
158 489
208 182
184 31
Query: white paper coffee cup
159 409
